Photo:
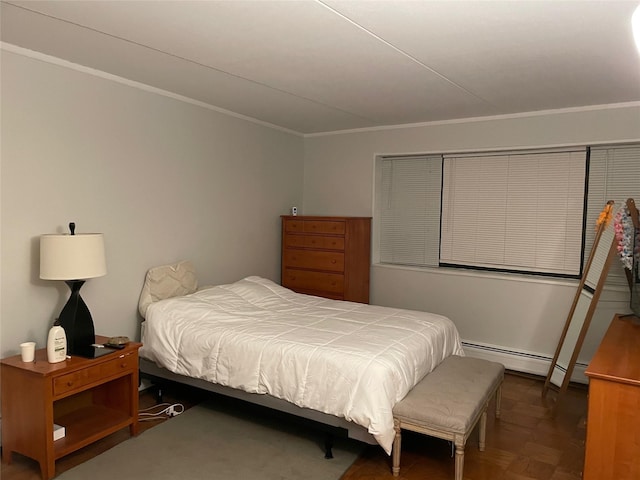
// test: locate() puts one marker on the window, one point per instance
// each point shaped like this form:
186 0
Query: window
614 174
514 211
410 210
508 211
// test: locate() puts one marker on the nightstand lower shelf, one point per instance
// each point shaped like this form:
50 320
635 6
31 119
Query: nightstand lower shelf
88 425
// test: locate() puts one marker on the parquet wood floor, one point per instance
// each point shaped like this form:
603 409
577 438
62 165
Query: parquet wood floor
526 443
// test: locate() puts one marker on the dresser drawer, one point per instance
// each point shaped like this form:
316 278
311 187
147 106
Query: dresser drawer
318 226
318 281
294 226
314 241
317 260
87 376
314 226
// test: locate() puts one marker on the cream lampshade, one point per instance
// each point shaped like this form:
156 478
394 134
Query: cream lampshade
74 259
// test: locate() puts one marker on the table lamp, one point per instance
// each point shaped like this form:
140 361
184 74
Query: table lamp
74 259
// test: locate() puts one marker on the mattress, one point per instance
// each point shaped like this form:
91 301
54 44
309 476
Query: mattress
347 359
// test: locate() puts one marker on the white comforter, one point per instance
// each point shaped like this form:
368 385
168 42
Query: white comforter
347 359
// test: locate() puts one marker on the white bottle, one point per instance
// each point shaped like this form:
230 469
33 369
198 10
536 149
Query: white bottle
56 344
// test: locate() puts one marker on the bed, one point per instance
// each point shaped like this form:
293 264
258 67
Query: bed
341 363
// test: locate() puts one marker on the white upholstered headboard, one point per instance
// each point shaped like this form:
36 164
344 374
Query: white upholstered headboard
167 281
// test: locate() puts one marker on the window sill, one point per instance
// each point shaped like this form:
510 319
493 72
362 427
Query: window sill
462 272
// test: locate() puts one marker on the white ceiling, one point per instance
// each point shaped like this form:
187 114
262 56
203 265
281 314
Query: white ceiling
327 65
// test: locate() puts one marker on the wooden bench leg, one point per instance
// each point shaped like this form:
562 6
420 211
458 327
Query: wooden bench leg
483 429
498 400
396 448
459 443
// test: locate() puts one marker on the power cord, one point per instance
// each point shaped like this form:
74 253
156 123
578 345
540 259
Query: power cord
167 410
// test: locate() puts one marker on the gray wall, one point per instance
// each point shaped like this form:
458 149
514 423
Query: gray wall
506 313
164 180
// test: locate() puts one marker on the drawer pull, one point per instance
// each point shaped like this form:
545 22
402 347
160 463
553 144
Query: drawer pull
69 383
333 261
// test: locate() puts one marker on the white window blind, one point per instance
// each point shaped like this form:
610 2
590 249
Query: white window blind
514 211
614 174
410 210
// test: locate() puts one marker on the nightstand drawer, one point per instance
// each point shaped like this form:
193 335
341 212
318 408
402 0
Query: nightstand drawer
87 376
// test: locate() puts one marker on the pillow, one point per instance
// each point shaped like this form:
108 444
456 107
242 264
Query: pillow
167 281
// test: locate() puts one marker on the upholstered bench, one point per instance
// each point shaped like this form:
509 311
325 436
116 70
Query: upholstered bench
448 403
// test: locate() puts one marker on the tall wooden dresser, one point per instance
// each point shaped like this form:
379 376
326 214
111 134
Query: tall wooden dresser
327 256
613 422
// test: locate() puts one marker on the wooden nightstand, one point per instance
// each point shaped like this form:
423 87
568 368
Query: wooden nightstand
91 398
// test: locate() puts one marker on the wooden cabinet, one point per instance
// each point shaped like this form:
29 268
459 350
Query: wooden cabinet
327 256
91 398
613 422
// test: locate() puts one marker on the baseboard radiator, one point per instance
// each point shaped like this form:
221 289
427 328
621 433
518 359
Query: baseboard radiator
519 361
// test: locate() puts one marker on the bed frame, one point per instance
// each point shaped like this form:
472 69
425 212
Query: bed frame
154 373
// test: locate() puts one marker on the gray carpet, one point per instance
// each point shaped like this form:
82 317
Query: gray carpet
216 441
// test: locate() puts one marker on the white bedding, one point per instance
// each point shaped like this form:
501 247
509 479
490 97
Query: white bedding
347 359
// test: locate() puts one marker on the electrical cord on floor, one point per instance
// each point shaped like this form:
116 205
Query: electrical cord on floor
160 411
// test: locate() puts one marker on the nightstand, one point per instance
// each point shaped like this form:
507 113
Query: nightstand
91 398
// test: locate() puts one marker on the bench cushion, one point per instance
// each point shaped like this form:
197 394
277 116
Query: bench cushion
451 396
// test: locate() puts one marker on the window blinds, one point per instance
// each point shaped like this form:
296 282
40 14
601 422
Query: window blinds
614 174
410 210
516 211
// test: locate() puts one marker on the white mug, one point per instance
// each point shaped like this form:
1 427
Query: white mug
28 351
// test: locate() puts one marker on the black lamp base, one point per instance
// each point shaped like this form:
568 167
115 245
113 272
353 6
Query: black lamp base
76 320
